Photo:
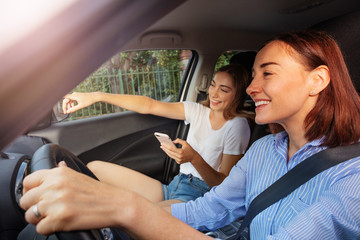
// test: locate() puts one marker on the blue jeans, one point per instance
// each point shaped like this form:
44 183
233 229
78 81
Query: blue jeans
185 187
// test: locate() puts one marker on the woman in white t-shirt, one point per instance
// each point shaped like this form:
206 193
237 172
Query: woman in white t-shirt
218 136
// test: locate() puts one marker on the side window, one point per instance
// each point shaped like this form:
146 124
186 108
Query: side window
154 73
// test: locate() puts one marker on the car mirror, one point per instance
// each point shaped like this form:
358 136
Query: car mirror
58 114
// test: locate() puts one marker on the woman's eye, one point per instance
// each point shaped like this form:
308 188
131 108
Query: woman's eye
224 90
267 74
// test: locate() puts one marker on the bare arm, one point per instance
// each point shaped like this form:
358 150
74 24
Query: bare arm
68 200
187 154
159 224
210 175
140 104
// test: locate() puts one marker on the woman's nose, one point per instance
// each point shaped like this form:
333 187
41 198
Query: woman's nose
254 87
215 92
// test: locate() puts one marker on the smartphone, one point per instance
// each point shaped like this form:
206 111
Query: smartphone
164 138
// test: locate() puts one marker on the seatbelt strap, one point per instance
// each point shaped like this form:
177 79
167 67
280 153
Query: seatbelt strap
296 177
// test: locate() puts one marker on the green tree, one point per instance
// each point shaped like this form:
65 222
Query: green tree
224 59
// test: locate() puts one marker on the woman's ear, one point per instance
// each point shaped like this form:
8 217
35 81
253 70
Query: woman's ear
319 79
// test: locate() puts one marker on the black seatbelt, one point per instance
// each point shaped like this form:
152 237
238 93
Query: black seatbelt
296 177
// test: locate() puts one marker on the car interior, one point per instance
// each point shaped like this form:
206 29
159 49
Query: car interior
38 68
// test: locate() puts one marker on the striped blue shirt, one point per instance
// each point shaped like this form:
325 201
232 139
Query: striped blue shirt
326 207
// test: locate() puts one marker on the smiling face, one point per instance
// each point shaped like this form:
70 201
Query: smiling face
221 91
280 87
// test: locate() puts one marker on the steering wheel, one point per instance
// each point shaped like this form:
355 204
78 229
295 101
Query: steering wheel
48 156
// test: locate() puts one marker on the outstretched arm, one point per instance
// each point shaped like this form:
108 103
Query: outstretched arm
141 104
68 200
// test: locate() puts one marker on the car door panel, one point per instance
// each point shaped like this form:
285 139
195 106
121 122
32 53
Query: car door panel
123 138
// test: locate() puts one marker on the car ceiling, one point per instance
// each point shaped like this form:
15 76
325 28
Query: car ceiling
63 51
209 25
255 15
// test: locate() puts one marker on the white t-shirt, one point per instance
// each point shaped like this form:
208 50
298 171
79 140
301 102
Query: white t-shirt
232 138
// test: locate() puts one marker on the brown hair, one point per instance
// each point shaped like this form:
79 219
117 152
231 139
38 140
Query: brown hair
240 81
336 115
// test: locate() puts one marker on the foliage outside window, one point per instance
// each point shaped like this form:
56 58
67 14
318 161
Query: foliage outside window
156 74
224 59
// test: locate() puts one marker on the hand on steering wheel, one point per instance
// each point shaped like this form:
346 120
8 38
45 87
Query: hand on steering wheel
49 156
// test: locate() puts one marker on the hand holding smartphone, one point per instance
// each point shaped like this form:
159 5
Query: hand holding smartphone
164 138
